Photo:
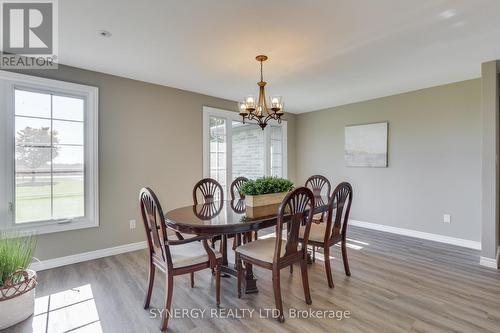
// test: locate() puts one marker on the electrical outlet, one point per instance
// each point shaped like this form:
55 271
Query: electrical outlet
447 218
132 224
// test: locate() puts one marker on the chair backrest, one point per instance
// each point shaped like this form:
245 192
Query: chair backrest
235 188
209 189
154 224
340 202
319 185
291 212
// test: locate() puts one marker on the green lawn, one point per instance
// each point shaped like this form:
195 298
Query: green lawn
33 201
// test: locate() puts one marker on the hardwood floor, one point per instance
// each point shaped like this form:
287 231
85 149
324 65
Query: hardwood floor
398 284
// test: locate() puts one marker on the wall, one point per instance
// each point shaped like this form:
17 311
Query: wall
489 167
434 158
149 135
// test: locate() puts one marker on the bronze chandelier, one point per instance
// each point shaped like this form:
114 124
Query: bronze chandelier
259 112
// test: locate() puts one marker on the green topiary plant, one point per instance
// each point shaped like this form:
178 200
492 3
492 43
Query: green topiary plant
266 185
16 253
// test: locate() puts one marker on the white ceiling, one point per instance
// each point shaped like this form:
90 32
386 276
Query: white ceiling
322 53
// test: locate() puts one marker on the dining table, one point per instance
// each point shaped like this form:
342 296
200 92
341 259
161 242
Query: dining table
228 218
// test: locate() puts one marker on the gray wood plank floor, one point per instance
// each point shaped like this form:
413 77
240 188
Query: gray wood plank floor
398 284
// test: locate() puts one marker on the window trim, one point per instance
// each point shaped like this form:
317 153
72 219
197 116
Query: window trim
230 116
8 83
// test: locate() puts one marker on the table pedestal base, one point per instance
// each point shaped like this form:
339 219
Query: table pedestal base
250 282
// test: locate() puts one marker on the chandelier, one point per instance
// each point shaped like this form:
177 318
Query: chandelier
259 111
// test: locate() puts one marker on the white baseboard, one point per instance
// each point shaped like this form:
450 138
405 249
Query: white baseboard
75 258
418 234
491 262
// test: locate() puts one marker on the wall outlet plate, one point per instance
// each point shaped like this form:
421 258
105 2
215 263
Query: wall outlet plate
447 218
132 224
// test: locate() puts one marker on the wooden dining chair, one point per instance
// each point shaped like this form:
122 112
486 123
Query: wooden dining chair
172 256
334 230
277 253
320 186
210 191
235 188
236 193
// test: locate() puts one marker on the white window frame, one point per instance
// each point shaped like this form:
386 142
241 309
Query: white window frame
229 116
8 83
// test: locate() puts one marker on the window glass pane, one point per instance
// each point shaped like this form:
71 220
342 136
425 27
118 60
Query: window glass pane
32 104
276 147
68 132
68 194
217 146
32 131
49 165
248 153
33 184
33 197
32 159
68 159
67 108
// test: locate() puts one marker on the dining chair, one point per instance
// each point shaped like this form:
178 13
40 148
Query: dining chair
319 185
235 188
334 230
172 256
276 253
236 193
210 191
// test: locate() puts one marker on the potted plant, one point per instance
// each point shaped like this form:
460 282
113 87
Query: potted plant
265 191
17 282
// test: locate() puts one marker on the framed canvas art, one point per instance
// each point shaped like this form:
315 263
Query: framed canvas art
366 145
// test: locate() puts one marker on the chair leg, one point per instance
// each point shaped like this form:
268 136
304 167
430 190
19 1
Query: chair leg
277 294
328 268
305 281
314 253
239 274
217 285
291 269
256 237
344 258
168 301
151 280
192 279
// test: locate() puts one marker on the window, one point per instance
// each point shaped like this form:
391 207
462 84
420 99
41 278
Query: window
49 179
232 148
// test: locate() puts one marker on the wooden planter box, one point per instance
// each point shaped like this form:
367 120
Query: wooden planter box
264 199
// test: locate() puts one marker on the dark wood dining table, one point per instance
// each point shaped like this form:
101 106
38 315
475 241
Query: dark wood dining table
230 217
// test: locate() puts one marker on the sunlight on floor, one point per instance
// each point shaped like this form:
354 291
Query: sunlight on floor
357 241
349 241
72 310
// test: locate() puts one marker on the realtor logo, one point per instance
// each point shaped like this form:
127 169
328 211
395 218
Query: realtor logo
29 31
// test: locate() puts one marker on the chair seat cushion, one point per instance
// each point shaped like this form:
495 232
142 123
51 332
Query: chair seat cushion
190 254
262 249
317 233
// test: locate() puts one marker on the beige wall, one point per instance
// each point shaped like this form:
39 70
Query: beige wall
434 158
148 135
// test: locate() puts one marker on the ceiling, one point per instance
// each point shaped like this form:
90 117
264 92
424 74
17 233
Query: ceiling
323 53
